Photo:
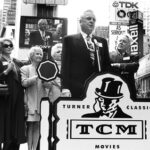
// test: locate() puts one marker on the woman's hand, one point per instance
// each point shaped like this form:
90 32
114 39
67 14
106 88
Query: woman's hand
9 68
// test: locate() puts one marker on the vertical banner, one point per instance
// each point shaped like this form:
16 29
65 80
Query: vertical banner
136 32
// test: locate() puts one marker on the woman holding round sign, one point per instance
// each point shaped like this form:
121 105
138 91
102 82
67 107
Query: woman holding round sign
35 90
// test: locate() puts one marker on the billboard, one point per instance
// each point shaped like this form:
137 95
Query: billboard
107 118
29 25
115 30
120 10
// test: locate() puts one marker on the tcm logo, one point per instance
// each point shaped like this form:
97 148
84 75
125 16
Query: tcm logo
106 129
123 4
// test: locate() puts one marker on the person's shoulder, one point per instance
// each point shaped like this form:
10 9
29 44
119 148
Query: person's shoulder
48 33
91 115
122 114
113 53
34 32
72 36
25 67
98 38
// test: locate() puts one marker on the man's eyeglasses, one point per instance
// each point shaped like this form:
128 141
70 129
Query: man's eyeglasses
8 45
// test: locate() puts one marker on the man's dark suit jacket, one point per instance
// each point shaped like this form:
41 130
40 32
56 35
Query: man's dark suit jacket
36 39
119 114
77 66
128 66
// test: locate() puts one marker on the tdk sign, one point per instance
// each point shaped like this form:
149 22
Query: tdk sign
123 4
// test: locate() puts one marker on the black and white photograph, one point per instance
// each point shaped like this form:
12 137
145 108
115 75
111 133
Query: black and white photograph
74 74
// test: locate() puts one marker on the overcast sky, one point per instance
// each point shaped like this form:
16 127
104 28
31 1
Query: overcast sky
100 8
74 8
1 5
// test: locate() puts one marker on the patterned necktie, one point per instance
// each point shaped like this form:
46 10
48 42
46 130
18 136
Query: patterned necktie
90 46
43 35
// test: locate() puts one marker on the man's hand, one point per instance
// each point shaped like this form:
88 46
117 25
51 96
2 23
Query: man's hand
117 65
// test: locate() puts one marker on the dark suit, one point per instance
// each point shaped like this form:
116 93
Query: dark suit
77 66
119 114
128 66
36 38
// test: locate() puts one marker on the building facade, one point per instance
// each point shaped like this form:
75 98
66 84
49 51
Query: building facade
146 19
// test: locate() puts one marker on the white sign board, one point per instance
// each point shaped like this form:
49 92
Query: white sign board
115 30
107 118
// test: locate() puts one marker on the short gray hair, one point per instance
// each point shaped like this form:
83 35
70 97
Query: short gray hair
83 14
42 21
32 51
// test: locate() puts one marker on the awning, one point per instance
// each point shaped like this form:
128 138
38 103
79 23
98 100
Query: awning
47 2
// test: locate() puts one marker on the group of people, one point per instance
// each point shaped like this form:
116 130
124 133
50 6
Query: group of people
79 57
79 64
12 124
20 108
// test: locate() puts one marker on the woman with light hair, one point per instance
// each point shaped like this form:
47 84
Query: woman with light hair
35 90
55 90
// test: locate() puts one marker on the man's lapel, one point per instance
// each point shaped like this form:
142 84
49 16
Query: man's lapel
82 44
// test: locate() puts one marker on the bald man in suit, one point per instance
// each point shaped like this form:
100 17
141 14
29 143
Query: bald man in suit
79 59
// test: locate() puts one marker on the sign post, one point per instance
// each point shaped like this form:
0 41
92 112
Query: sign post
47 71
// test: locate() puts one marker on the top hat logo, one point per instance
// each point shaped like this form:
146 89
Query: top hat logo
110 89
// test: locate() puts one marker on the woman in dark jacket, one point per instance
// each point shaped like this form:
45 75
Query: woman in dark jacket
12 128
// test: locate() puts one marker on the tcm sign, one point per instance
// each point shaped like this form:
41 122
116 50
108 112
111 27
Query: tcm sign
105 129
47 70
